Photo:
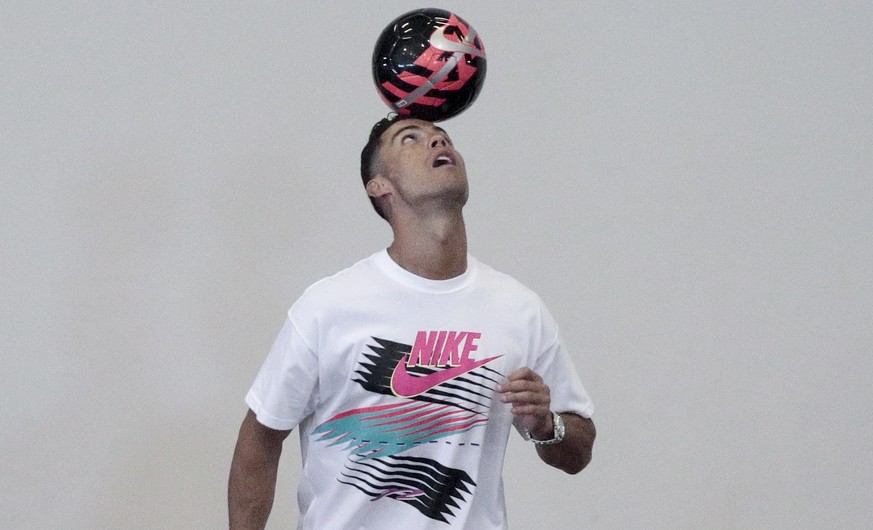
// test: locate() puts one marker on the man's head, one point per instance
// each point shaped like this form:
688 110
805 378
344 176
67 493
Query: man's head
370 157
411 142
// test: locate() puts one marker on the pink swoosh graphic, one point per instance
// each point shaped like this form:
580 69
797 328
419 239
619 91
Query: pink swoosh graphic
404 384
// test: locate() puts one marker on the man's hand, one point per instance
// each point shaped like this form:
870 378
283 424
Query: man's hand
531 402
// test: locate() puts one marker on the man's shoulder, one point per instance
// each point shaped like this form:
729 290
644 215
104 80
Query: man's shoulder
505 282
357 275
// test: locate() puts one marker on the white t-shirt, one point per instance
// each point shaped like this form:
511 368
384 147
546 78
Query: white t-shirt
391 380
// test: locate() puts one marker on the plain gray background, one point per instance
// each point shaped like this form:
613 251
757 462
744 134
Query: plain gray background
686 184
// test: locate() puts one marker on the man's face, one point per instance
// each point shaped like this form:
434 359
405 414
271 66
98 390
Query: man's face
421 164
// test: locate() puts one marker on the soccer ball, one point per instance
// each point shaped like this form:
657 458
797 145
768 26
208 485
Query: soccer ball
429 64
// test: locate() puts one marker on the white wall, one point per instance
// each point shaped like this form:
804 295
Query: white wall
688 186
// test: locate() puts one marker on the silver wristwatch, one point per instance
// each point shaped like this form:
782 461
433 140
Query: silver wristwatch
556 438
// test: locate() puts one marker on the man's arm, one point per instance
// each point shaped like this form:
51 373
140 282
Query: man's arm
573 453
252 482
530 398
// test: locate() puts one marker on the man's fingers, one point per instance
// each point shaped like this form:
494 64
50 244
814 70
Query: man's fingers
524 374
521 380
535 398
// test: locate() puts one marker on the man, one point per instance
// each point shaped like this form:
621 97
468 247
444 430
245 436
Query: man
405 371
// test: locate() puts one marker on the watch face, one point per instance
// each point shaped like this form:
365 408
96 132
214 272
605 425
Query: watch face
559 426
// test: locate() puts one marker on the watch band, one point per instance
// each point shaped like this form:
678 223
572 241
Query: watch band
558 435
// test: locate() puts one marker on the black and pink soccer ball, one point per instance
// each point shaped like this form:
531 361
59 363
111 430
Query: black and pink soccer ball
429 64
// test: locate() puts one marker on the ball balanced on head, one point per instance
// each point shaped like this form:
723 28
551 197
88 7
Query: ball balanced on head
430 64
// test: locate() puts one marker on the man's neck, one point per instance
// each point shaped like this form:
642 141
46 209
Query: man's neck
436 249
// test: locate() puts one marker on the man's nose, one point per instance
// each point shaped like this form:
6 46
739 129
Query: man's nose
439 141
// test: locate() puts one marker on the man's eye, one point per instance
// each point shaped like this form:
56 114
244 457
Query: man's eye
407 138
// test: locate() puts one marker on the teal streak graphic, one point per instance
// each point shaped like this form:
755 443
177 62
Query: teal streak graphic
392 429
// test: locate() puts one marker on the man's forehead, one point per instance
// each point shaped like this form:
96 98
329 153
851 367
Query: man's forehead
409 123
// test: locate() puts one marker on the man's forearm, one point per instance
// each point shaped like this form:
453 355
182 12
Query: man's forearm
573 453
250 495
253 472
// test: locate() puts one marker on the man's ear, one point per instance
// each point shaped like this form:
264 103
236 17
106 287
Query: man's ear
378 187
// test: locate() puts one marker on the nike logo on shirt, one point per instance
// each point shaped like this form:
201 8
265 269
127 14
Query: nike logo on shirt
404 384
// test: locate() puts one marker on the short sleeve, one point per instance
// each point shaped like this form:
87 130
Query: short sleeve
285 390
556 368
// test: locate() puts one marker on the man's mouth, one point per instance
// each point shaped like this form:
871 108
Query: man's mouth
443 160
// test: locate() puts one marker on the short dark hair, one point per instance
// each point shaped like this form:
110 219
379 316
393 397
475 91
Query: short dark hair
370 153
